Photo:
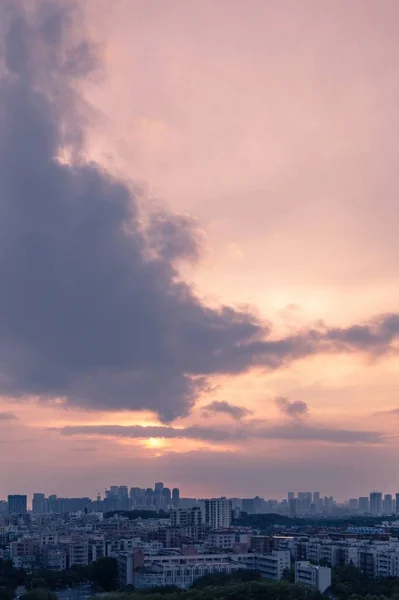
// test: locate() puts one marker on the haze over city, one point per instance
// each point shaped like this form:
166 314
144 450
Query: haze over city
198 246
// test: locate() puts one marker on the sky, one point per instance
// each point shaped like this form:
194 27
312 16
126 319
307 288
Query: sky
198 246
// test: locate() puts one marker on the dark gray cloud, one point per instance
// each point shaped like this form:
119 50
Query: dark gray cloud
91 307
7 416
223 407
296 432
294 409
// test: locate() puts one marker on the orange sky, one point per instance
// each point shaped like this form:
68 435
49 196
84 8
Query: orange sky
275 126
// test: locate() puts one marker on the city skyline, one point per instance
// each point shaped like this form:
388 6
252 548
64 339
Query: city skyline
198 246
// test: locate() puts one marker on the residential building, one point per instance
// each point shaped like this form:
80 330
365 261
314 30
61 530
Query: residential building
375 503
217 513
273 566
313 575
17 504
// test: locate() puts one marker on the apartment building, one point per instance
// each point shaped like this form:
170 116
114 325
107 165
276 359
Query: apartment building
180 575
314 576
217 513
273 566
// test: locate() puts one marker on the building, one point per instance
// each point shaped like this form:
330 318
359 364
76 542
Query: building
313 575
39 504
387 505
364 505
221 540
273 566
397 504
131 565
17 504
78 554
376 503
217 513
176 497
262 544
186 517
353 504
182 576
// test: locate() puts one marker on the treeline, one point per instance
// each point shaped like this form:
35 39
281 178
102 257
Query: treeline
137 514
269 520
102 575
228 590
349 583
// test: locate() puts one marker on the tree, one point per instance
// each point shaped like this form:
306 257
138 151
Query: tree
104 572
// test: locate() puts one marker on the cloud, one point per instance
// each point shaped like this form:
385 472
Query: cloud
7 416
295 409
394 412
296 432
92 309
234 411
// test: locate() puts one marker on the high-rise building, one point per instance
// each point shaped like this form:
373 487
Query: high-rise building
123 492
387 505
364 504
186 517
17 504
397 503
316 498
149 497
293 506
166 498
353 504
158 487
176 497
375 503
217 513
304 501
38 504
248 505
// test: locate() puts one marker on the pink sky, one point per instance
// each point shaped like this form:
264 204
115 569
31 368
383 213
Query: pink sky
274 125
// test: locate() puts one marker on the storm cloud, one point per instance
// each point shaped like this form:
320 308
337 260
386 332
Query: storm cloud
91 305
294 409
224 407
294 432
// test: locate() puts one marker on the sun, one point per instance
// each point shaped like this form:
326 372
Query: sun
154 442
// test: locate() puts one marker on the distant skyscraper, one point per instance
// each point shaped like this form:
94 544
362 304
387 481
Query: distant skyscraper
293 506
248 505
387 505
375 503
158 487
354 505
304 501
364 504
290 495
176 497
397 503
17 504
166 498
38 504
123 492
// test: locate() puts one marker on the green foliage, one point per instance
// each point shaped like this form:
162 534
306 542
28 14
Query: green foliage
349 583
271 520
104 573
10 579
217 579
39 594
250 590
137 514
